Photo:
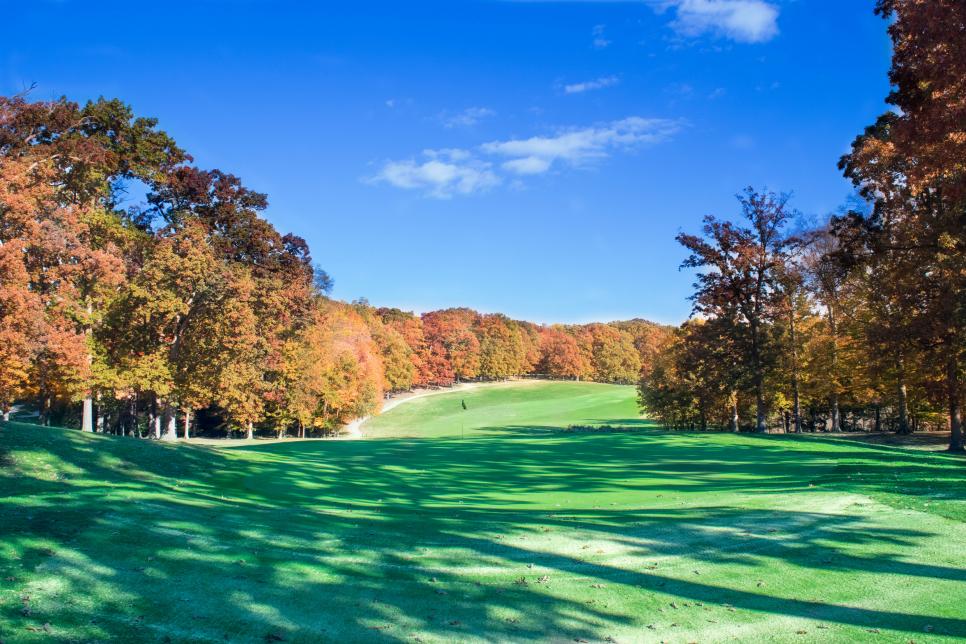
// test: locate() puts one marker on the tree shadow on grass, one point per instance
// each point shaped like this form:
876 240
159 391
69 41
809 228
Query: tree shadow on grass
386 539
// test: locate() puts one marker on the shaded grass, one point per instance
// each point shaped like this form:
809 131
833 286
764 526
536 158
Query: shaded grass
499 527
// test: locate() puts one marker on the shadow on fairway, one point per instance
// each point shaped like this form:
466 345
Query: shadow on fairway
338 540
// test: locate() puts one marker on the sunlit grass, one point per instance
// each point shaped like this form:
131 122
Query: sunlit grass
483 524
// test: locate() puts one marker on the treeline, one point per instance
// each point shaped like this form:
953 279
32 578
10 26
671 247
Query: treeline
859 324
139 319
443 347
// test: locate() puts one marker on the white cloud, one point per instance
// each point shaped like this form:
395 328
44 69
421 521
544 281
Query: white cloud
586 86
467 118
445 173
527 165
749 21
577 146
599 40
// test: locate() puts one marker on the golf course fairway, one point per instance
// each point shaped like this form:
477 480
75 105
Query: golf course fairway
489 523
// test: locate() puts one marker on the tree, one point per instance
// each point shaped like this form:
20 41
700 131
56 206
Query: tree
398 366
503 352
21 309
410 329
911 164
610 353
742 281
560 356
453 350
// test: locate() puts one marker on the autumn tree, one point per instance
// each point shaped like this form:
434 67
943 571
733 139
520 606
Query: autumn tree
911 164
453 350
503 348
560 355
741 281
610 353
398 366
410 328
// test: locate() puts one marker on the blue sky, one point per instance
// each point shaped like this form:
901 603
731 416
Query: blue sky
533 158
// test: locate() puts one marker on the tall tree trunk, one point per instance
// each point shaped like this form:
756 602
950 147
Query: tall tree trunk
87 419
834 412
170 423
796 397
156 421
760 411
834 396
955 419
758 375
187 424
249 431
733 425
902 398
6 414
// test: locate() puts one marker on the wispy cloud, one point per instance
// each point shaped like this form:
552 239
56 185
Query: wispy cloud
449 172
578 146
466 118
600 41
586 86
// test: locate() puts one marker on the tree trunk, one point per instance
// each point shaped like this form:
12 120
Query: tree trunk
955 419
787 420
760 424
87 420
156 423
834 397
187 424
903 400
834 412
6 415
733 425
796 398
170 423
249 431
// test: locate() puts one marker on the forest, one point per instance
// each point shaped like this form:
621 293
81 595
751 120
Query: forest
856 324
142 319
138 320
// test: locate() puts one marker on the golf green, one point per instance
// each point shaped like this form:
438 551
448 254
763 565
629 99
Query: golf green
489 523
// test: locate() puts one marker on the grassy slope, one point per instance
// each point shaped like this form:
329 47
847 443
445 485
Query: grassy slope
530 535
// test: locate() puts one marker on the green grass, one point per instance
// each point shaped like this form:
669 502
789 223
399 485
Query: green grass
514 531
